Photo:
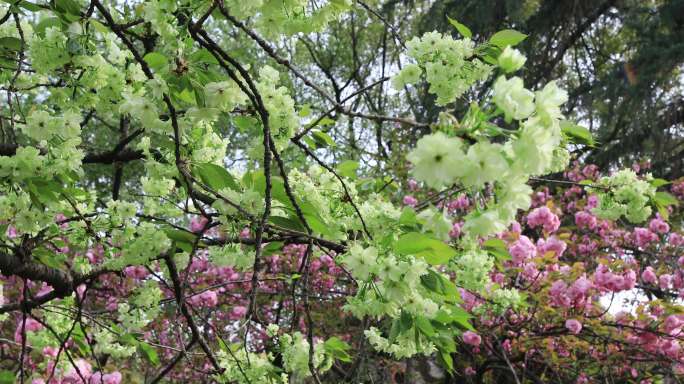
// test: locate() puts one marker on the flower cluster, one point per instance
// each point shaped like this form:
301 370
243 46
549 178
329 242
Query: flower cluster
448 64
624 194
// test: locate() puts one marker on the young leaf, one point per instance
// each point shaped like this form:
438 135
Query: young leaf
156 61
272 248
322 139
507 37
10 43
337 349
659 182
348 168
425 327
580 134
149 353
216 177
433 251
462 29
6 377
665 199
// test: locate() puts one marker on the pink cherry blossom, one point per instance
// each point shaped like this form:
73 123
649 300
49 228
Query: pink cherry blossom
574 326
472 338
543 217
410 201
648 276
522 250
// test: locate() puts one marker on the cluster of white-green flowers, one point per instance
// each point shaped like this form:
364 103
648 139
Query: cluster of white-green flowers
143 308
241 366
472 269
40 125
448 64
295 351
510 60
138 245
402 347
224 95
624 194
107 344
232 255
535 149
273 17
160 15
16 209
120 211
282 117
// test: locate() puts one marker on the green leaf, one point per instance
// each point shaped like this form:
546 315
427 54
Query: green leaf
182 239
245 123
665 199
149 353
203 56
156 61
394 331
326 121
337 349
322 139
305 110
287 223
68 6
497 248
425 327
180 236
272 248
462 29
7 377
46 23
433 251
49 258
490 54
318 225
447 360
408 217
216 177
507 37
10 43
405 322
460 316
437 283
659 182
26 5
432 282
187 95
278 191
128 339
98 26
578 133
45 190
348 168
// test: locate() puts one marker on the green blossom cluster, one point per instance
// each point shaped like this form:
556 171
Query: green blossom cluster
448 65
144 307
232 255
295 352
534 149
624 194
289 16
282 118
139 245
244 367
